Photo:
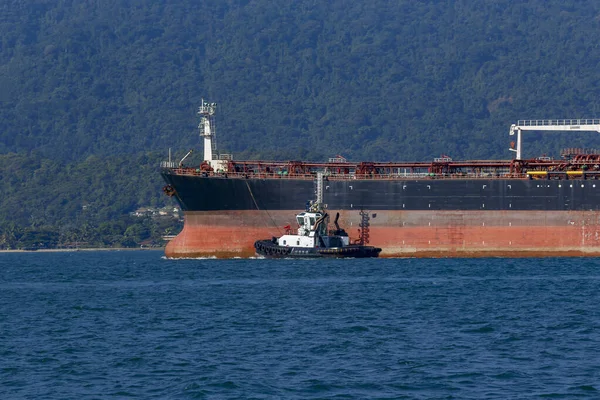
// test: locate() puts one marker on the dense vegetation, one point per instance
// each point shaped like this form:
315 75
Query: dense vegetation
48 203
92 92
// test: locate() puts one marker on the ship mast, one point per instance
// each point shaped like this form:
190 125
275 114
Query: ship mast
207 131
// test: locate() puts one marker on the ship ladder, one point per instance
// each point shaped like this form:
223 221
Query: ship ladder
364 227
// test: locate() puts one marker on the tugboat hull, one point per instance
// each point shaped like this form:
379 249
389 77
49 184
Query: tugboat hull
270 249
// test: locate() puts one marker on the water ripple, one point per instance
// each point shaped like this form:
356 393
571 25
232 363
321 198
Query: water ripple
136 325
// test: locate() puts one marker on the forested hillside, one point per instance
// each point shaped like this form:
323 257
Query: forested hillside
116 80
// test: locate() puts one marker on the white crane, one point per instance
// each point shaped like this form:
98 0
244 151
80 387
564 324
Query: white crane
572 125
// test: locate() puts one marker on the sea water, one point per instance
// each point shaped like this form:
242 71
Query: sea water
131 324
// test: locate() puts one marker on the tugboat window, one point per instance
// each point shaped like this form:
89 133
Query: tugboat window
284 242
298 243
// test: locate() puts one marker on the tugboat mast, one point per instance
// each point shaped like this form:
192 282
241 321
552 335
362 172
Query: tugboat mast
319 189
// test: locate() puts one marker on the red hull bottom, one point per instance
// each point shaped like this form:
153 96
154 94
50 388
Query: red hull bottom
228 234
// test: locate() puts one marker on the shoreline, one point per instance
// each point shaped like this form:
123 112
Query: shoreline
85 249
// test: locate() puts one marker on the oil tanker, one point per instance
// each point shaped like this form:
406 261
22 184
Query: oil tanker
442 208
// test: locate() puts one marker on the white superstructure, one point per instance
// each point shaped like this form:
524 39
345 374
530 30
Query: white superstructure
207 131
311 226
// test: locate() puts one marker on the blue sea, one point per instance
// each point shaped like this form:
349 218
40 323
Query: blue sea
131 324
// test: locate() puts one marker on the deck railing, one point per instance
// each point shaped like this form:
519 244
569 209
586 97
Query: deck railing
342 177
558 122
168 164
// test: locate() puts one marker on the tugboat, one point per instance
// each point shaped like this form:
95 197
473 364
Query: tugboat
313 239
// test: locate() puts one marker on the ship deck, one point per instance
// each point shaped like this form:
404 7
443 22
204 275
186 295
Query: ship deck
187 171
572 166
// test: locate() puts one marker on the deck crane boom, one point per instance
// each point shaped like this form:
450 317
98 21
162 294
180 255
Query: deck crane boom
579 125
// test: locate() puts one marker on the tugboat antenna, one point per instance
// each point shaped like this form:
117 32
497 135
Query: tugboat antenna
319 189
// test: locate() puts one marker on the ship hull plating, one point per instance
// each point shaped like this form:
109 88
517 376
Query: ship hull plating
406 233
224 216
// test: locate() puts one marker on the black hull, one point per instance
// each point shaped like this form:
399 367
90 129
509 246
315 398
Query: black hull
268 249
215 193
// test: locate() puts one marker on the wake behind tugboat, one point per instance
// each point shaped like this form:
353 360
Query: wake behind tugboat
314 240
